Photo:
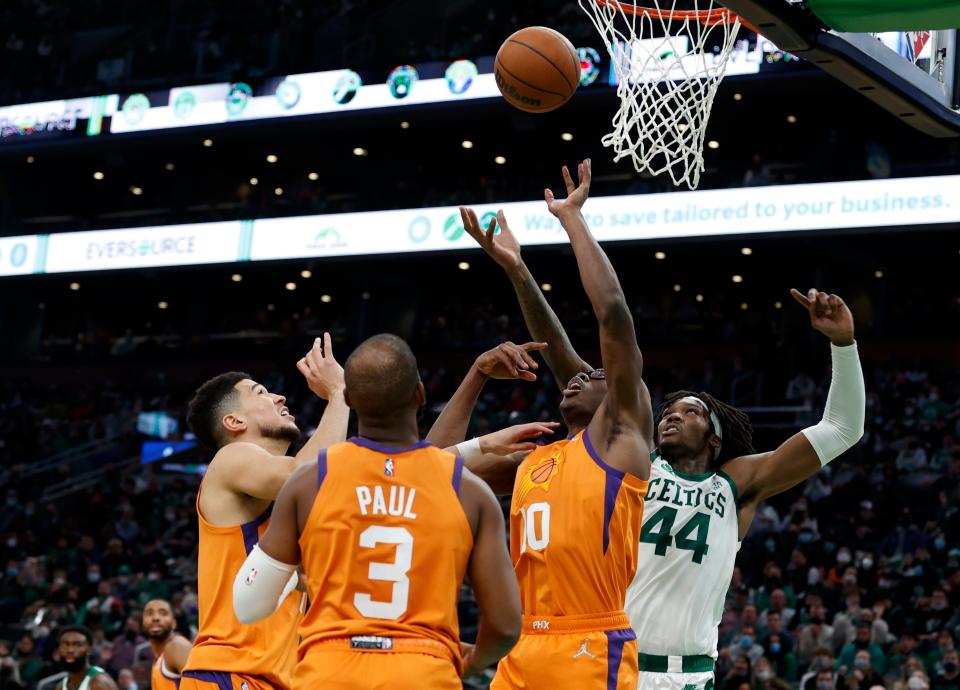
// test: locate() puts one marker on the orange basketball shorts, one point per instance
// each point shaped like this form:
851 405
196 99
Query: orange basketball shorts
571 652
336 669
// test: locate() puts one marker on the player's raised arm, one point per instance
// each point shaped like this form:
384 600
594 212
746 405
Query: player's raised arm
251 469
628 401
505 361
540 318
270 572
491 574
763 475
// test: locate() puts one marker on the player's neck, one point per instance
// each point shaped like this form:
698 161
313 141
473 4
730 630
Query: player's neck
390 432
691 465
274 446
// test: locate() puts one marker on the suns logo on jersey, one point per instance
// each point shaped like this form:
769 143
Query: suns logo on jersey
539 476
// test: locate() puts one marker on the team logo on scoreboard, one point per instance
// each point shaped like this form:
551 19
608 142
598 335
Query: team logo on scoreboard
288 94
135 108
238 97
589 65
346 87
184 105
460 76
401 81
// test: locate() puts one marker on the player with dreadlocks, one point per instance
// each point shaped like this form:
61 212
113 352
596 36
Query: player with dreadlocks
706 480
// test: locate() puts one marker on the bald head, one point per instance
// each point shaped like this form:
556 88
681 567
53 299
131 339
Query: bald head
381 377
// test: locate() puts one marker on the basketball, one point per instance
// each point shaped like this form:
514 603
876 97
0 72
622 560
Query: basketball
537 69
541 473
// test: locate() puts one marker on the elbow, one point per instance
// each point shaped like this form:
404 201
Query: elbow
613 312
246 606
506 632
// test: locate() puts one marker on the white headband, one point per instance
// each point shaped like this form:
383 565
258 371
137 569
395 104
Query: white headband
714 420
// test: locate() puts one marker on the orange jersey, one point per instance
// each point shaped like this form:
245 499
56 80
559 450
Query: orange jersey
385 548
574 530
162 678
266 649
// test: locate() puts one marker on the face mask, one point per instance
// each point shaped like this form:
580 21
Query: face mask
59 581
950 667
123 579
843 557
153 577
775 647
805 537
824 685
130 634
861 664
12 542
169 516
93 577
937 606
11 501
939 543
867 563
764 676
916 683
850 579
824 664
11 572
829 547
770 544
813 577
746 641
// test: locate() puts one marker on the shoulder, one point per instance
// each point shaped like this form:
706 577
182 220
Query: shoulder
103 681
239 452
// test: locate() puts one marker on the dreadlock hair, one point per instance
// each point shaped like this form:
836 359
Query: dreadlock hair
737 431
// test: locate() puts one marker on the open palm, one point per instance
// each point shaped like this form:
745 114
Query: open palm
502 247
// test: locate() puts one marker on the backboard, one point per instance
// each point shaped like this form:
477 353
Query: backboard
913 74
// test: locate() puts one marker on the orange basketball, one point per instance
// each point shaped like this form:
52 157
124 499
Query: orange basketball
537 69
542 472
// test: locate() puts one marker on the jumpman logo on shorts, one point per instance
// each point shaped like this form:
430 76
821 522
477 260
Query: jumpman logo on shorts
583 651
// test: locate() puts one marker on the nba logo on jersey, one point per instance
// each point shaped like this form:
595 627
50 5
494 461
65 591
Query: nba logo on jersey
388 467
251 576
244 686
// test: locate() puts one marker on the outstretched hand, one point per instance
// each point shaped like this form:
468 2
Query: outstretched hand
576 194
828 314
322 371
509 361
502 247
516 438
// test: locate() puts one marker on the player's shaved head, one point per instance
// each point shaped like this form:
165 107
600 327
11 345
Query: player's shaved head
381 377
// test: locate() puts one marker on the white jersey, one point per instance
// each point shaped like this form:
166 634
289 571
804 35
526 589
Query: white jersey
688 545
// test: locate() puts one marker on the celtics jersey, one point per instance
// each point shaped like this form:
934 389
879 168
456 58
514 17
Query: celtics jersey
688 544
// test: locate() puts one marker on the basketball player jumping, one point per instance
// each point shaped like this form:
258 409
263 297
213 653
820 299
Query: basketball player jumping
169 649
385 526
577 504
706 480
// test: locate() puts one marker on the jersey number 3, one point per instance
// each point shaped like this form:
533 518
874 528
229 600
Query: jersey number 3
692 536
395 572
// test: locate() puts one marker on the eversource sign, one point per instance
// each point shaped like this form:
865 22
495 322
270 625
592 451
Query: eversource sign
833 206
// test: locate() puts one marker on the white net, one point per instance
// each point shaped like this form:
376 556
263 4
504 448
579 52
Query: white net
669 65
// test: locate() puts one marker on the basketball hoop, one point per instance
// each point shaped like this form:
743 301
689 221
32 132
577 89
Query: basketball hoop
669 62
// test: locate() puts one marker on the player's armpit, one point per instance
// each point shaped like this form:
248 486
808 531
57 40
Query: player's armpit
498 471
763 475
491 574
249 469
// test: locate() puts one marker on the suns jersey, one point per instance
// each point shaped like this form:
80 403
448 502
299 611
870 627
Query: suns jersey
385 545
266 649
688 546
574 529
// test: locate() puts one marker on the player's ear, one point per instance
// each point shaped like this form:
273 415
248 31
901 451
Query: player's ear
714 442
421 394
234 423
346 397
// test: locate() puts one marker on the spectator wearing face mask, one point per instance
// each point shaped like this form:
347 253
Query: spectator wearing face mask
125 645
745 644
860 675
820 667
125 680
764 677
814 636
778 647
945 645
843 622
949 676
862 647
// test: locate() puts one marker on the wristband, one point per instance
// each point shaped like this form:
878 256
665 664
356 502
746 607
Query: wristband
469 450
